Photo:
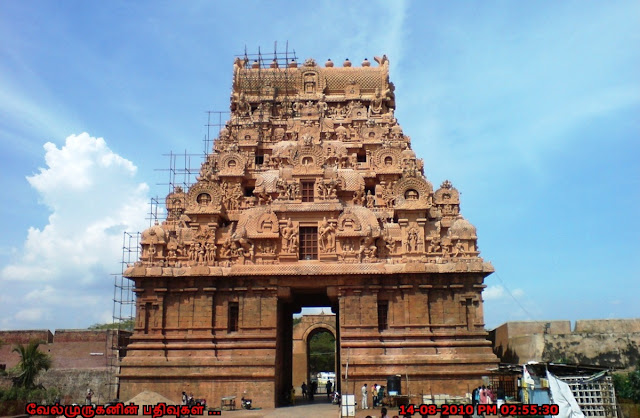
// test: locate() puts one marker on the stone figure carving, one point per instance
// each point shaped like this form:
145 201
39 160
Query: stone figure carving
390 244
231 195
287 190
242 106
458 249
266 247
342 134
210 248
412 240
375 108
353 160
358 197
435 246
410 168
236 248
368 249
290 238
370 199
326 189
307 140
327 235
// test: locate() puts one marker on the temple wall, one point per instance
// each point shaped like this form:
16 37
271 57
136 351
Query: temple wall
440 344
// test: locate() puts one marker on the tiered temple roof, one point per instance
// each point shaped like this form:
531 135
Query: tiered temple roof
311 174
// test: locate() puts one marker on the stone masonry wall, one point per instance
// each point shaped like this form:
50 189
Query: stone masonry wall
611 343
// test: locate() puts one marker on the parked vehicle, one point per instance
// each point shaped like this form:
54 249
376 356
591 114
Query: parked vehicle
246 403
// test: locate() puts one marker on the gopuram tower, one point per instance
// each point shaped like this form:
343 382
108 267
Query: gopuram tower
312 196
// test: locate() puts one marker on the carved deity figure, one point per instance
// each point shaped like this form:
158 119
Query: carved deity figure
287 190
358 197
458 250
293 190
410 168
341 133
370 199
375 108
434 246
242 107
368 249
353 160
412 240
307 140
211 252
327 234
297 108
322 107
290 238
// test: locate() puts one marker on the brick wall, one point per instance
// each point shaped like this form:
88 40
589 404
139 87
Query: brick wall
69 349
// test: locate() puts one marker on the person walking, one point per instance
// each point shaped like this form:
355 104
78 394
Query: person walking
304 390
374 395
88 396
365 394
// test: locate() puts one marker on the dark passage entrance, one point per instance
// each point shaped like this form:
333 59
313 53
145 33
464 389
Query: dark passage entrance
288 305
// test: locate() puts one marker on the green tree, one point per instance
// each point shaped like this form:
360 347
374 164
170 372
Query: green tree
124 325
32 361
322 349
627 385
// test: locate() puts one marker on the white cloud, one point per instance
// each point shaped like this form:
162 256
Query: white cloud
499 292
493 293
30 315
94 197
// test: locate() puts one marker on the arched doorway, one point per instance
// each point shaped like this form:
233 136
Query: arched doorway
319 331
321 358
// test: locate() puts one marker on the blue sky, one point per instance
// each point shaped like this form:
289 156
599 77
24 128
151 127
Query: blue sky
530 108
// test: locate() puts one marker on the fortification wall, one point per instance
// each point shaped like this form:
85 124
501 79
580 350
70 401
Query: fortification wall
611 343
607 326
505 334
69 349
24 336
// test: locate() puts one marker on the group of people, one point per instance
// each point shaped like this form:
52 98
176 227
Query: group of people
308 391
188 399
377 393
484 395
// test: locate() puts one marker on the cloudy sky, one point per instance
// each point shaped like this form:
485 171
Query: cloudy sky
530 108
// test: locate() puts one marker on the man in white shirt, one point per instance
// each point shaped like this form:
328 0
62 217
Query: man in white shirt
365 405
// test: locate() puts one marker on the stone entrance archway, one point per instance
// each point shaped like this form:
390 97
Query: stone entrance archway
309 326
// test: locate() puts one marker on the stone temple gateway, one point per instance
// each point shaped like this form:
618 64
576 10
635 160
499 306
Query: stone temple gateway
312 196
